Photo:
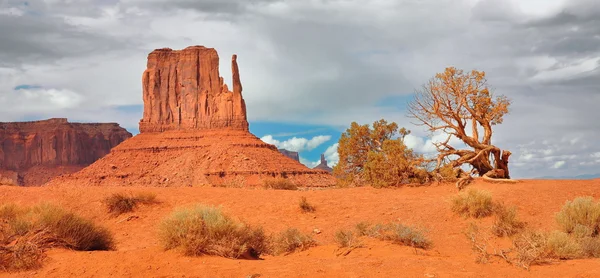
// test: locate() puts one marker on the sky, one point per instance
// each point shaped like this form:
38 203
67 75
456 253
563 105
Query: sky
311 67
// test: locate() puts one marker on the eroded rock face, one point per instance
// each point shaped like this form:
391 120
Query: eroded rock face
290 154
183 90
53 144
194 133
323 165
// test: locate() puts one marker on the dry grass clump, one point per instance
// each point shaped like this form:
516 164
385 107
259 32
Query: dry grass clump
473 203
280 183
506 222
305 206
531 249
397 233
580 217
291 240
119 203
205 230
21 256
345 238
25 233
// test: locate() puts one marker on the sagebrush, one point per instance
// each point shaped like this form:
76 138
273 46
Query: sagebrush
473 203
206 230
119 203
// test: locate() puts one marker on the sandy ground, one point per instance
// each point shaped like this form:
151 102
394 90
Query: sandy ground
139 253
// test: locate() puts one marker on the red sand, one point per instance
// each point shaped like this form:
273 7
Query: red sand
139 254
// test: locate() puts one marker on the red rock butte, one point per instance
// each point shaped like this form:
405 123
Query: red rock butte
194 131
31 153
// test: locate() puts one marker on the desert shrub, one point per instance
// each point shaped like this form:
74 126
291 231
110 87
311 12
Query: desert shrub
362 228
21 256
291 240
405 235
397 233
561 246
590 247
119 203
345 238
280 183
506 222
205 230
580 216
531 249
44 226
473 203
305 206
73 231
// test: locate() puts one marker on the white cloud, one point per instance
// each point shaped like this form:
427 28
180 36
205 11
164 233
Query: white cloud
331 155
558 164
297 144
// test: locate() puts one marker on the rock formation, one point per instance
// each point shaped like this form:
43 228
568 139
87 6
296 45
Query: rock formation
290 154
184 91
194 132
31 153
323 165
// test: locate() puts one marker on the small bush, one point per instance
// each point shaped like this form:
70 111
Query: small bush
561 246
73 231
590 247
397 233
305 206
580 216
362 229
506 222
32 230
473 203
406 235
531 249
205 230
21 256
119 203
291 240
345 239
280 183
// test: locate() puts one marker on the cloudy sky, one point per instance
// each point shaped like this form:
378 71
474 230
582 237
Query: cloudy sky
311 67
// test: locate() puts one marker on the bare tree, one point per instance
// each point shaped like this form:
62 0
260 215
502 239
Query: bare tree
459 103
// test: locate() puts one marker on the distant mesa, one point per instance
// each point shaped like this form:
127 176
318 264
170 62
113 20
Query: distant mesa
290 154
32 153
323 165
194 131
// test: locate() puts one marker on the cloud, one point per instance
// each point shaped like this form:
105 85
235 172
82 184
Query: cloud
321 62
297 144
559 164
331 155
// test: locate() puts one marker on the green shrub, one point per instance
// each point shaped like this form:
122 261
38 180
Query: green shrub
291 240
305 206
205 230
580 216
473 203
119 203
506 222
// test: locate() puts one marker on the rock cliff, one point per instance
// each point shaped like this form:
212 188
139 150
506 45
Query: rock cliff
53 145
194 132
290 154
323 165
183 91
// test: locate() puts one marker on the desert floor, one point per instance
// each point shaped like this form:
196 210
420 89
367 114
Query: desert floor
139 253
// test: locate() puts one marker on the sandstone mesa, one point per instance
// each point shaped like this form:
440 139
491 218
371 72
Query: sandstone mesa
31 153
194 131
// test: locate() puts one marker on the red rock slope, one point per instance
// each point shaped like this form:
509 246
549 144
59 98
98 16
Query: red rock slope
194 132
31 153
